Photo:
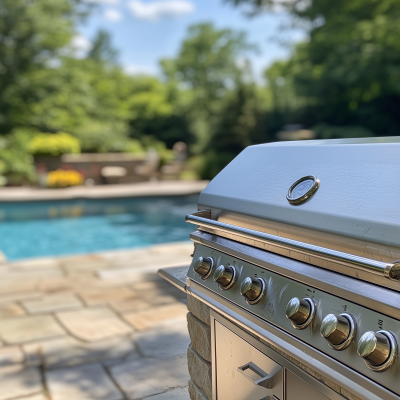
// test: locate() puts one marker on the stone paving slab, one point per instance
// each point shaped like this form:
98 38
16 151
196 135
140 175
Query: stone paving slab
143 378
136 304
52 303
88 382
34 397
93 324
19 296
89 262
99 331
165 341
93 297
156 316
47 263
17 381
135 274
177 394
159 188
11 355
10 310
11 285
69 351
26 329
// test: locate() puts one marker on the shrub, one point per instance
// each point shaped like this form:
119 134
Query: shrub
54 144
134 146
166 155
63 178
16 164
102 136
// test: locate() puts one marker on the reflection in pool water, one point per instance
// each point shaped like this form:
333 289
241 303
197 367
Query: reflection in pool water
83 226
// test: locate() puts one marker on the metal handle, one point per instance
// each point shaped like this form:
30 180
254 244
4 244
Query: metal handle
388 270
252 372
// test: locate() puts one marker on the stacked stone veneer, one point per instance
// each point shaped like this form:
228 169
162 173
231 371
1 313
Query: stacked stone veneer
199 355
199 351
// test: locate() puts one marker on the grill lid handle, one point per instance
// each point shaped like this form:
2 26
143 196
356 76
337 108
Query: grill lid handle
389 270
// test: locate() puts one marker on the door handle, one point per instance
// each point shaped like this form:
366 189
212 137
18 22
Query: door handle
259 377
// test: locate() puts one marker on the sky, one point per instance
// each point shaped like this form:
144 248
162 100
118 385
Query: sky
145 31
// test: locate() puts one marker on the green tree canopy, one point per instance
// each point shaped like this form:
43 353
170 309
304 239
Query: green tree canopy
348 72
206 69
102 48
32 33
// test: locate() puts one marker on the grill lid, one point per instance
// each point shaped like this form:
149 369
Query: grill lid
357 195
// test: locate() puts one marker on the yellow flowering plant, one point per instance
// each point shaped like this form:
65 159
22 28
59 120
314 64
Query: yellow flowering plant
63 178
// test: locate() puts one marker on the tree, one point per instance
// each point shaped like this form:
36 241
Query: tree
240 124
347 73
206 69
102 49
32 32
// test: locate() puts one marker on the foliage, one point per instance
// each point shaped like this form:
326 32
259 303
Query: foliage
206 69
102 49
347 72
32 33
325 131
64 178
15 161
239 125
152 144
54 144
134 146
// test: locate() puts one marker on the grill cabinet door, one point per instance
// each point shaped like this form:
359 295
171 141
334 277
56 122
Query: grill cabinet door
242 371
297 389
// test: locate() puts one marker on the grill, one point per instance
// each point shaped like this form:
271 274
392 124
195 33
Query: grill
296 259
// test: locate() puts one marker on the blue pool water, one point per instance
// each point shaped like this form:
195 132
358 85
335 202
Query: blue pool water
82 226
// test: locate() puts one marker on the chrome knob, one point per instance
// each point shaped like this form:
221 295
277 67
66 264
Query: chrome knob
338 330
300 312
378 349
203 267
225 276
252 289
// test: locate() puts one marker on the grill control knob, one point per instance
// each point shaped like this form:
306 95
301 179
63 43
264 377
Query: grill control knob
253 289
338 330
300 312
378 349
203 266
225 276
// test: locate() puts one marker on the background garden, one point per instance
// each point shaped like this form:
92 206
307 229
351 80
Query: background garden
342 81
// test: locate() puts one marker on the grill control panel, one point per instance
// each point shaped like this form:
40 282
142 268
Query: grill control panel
352 334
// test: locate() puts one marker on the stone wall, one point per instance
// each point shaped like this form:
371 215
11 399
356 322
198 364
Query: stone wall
199 352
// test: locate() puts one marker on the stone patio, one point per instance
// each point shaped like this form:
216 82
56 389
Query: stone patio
101 326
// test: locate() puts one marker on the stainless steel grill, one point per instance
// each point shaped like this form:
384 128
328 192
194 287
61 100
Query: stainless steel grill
296 253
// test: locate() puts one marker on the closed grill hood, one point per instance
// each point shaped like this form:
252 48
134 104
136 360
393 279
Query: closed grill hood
355 210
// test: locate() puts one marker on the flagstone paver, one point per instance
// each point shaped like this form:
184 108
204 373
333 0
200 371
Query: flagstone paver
34 397
93 324
88 382
165 341
10 310
151 376
11 355
19 296
26 329
52 303
108 295
18 381
128 318
147 319
136 304
177 394
70 351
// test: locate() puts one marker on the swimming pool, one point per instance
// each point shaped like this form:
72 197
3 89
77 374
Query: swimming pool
83 226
